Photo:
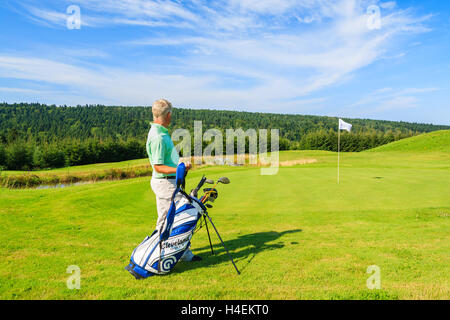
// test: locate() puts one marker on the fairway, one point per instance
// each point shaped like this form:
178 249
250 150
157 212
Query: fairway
293 235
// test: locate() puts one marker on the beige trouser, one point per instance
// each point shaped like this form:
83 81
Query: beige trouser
163 189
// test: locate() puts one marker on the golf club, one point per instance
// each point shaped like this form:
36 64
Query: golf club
210 195
223 180
194 192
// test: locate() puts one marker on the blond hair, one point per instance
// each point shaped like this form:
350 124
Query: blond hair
161 108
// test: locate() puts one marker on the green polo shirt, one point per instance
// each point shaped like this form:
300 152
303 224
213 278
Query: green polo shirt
160 149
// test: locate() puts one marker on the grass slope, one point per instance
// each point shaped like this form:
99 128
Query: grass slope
438 141
294 235
86 169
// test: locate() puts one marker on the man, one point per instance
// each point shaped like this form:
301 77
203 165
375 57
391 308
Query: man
164 159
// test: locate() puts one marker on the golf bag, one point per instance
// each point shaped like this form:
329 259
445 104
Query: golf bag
160 252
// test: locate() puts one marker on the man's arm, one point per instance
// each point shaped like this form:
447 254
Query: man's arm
162 168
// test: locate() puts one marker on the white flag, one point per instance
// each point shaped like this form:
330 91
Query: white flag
344 125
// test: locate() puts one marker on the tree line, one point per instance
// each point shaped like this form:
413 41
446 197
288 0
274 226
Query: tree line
26 155
36 136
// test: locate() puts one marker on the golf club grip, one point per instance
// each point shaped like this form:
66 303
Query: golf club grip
200 184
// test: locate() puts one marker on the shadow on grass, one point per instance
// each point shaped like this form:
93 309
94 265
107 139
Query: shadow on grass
244 248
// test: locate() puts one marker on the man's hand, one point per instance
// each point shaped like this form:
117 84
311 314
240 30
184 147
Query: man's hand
188 166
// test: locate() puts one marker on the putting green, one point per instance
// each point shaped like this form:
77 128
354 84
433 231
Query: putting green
294 235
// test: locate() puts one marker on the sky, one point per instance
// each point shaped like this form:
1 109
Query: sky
372 59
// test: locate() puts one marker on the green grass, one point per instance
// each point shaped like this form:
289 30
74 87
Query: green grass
294 235
437 141
86 169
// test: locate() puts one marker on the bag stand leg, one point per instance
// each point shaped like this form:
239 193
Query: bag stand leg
229 255
209 237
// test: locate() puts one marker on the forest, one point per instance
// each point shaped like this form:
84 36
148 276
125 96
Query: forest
37 136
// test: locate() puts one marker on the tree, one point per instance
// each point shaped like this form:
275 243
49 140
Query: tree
19 157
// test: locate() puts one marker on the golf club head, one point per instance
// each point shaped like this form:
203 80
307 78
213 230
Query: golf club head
212 192
209 181
224 180
211 198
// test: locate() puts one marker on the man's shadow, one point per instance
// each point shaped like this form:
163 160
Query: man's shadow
251 245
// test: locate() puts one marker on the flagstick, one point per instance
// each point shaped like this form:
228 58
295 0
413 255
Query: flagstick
339 148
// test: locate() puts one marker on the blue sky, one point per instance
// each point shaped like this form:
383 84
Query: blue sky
321 57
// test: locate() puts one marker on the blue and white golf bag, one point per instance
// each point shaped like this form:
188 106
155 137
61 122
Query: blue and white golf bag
160 252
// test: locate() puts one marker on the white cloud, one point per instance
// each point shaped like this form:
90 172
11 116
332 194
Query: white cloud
397 103
388 99
18 90
234 53
388 5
